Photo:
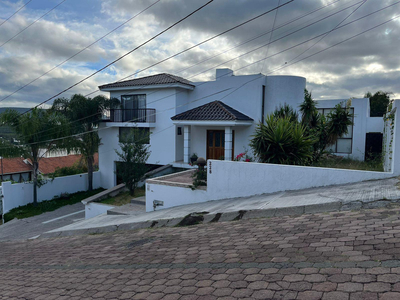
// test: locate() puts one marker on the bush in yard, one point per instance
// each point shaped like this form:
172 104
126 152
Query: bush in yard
133 156
325 129
282 140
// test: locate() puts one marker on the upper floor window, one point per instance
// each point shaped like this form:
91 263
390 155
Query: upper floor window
134 101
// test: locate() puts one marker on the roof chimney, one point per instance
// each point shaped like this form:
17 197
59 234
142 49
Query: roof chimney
223 73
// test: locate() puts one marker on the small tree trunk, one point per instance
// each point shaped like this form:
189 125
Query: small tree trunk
90 161
35 179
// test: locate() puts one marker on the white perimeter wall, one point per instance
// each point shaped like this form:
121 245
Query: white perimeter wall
20 194
172 195
94 209
241 179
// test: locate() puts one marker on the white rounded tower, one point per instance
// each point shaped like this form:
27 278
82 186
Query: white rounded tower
280 90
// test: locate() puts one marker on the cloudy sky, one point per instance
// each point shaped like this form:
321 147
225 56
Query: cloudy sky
369 62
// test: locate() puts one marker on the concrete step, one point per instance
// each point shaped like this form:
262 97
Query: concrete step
139 200
127 209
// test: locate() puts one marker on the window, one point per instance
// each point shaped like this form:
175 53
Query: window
125 133
134 107
133 101
179 130
345 143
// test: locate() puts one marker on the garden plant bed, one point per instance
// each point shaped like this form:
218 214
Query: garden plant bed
347 163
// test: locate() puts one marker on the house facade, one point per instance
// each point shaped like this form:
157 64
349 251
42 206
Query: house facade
214 119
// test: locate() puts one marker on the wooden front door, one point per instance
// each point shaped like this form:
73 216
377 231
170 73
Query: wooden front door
215 144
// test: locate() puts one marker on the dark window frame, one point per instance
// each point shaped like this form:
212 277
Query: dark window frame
342 138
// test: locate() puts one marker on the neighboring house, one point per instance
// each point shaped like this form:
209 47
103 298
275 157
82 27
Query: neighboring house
213 119
19 169
15 169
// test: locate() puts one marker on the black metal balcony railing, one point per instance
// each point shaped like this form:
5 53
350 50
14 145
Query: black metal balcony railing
145 115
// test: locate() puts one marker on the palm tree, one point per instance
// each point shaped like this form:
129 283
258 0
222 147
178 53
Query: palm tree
84 115
35 131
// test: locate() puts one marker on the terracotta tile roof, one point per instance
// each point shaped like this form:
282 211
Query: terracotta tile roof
213 111
163 78
15 165
49 164
46 165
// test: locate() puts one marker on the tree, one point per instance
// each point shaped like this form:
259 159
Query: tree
134 155
326 129
38 132
378 103
308 110
84 115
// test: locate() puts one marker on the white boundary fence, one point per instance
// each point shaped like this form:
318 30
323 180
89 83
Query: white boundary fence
20 194
227 179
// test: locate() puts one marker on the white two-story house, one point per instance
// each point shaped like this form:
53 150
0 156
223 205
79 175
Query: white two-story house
214 119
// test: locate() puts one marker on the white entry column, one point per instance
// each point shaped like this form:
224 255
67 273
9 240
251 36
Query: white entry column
228 143
186 144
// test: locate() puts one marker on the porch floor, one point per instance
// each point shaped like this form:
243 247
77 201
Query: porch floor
181 177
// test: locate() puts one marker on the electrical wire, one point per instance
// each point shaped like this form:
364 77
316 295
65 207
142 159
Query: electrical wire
270 37
123 56
32 23
79 52
356 20
15 12
324 36
243 23
260 76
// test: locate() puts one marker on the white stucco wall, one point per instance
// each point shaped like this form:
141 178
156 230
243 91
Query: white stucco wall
107 155
19 194
283 89
240 179
172 196
94 209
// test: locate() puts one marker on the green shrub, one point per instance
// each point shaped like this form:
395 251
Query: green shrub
282 140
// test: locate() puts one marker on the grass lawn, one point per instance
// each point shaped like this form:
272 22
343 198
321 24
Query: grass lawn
30 210
124 198
347 163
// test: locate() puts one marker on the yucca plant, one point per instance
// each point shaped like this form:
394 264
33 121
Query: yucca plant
282 141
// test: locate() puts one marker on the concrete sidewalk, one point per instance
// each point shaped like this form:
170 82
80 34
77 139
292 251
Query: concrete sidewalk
369 194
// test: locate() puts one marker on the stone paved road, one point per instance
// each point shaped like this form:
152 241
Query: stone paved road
351 255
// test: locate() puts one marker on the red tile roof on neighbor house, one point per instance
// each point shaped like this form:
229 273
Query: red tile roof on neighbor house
46 165
15 165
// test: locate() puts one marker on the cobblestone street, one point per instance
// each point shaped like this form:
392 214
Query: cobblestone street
351 255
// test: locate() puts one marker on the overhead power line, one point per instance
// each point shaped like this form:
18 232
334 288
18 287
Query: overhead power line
282 51
258 77
15 12
265 33
79 52
32 23
285 24
126 54
324 36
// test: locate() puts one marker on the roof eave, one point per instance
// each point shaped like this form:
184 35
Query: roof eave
147 87
213 122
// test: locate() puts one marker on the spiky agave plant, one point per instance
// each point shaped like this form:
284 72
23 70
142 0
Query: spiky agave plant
282 141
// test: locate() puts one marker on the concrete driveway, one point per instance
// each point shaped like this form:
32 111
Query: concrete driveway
34 226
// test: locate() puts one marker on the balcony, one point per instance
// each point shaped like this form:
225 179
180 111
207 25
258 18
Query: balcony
146 115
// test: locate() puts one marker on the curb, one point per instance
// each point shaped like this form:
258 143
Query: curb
229 216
